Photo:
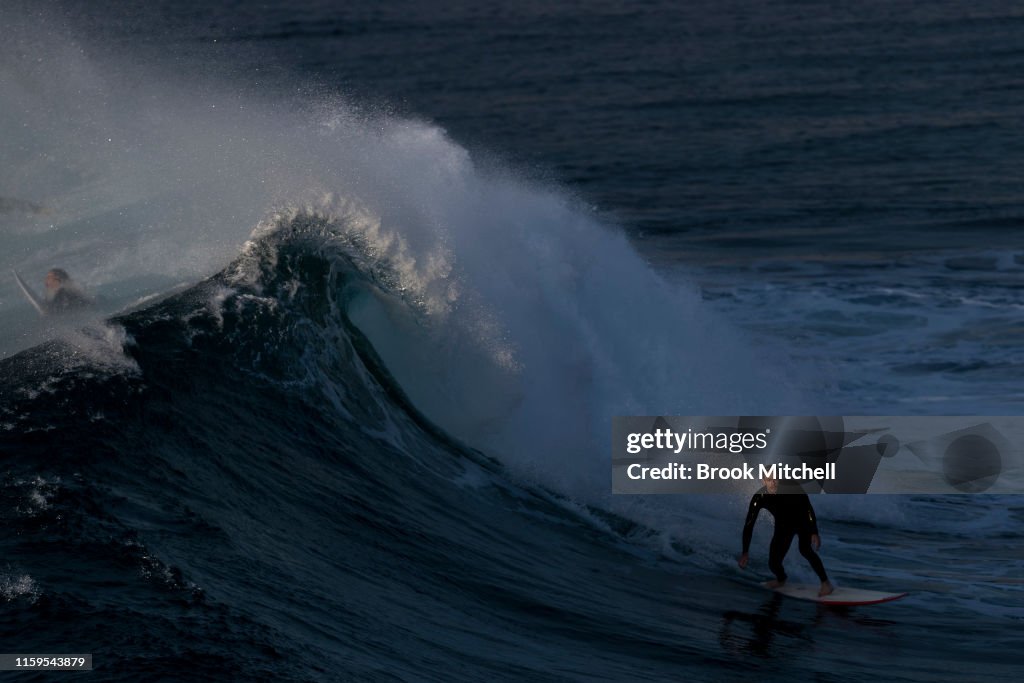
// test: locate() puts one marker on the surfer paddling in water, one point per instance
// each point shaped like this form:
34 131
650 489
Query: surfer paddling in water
794 516
62 294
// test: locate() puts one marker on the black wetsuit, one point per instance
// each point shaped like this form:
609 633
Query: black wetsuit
794 516
66 301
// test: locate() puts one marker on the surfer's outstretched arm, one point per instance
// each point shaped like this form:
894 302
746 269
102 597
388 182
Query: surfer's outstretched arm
748 526
812 523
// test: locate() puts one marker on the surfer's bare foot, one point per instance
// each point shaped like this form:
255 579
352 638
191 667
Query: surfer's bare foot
774 583
826 589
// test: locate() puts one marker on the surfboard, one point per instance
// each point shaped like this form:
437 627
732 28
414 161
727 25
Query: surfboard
841 596
32 297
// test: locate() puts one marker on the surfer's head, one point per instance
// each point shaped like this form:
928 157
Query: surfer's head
771 484
57 278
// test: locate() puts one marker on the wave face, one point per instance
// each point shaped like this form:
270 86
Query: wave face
237 486
255 485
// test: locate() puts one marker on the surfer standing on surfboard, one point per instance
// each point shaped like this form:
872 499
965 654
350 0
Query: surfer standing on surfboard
62 294
794 516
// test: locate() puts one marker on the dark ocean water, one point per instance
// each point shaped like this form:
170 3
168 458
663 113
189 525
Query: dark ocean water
373 281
